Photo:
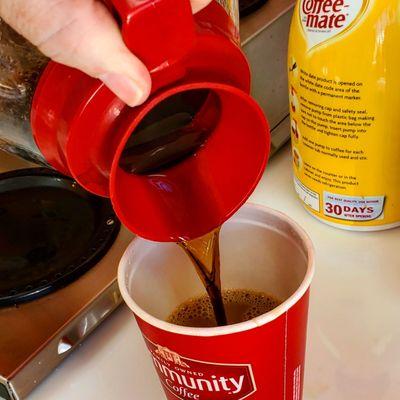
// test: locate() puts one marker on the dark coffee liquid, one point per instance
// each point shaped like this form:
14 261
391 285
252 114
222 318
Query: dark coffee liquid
204 253
240 305
174 130
220 307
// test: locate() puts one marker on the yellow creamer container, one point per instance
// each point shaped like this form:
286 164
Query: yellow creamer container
344 83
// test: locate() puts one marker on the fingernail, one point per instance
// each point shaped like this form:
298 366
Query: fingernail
125 88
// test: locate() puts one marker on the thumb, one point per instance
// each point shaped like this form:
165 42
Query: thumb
81 34
197 5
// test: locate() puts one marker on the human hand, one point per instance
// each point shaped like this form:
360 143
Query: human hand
84 35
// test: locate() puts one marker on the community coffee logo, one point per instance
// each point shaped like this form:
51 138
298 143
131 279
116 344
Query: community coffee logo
186 378
324 19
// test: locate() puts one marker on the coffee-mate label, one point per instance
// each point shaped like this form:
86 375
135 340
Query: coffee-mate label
344 94
325 19
186 378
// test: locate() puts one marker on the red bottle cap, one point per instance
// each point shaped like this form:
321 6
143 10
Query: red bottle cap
82 128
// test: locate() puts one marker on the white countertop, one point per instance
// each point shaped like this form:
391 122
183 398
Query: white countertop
354 328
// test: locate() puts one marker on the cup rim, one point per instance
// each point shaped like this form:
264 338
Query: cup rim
259 321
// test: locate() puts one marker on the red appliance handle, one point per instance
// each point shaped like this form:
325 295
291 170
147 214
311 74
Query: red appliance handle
165 25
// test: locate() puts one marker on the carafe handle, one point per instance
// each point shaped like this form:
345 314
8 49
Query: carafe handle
159 32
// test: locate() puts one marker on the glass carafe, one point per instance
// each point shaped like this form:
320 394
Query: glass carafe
56 115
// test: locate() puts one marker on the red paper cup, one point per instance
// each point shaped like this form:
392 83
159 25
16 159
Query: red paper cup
261 359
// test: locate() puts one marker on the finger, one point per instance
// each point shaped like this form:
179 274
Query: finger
197 5
81 34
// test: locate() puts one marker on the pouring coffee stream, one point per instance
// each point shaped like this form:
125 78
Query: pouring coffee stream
219 307
205 255
173 131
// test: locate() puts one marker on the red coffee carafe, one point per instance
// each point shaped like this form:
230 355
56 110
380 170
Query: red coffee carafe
85 131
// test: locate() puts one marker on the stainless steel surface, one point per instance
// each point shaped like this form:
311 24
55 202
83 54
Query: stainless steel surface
280 135
65 341
253 24
35 337
265 37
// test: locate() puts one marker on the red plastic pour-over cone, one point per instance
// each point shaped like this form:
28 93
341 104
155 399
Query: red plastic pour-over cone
82 128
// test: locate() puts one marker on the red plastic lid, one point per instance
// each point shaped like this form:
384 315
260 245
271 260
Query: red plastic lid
196 195
85 131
